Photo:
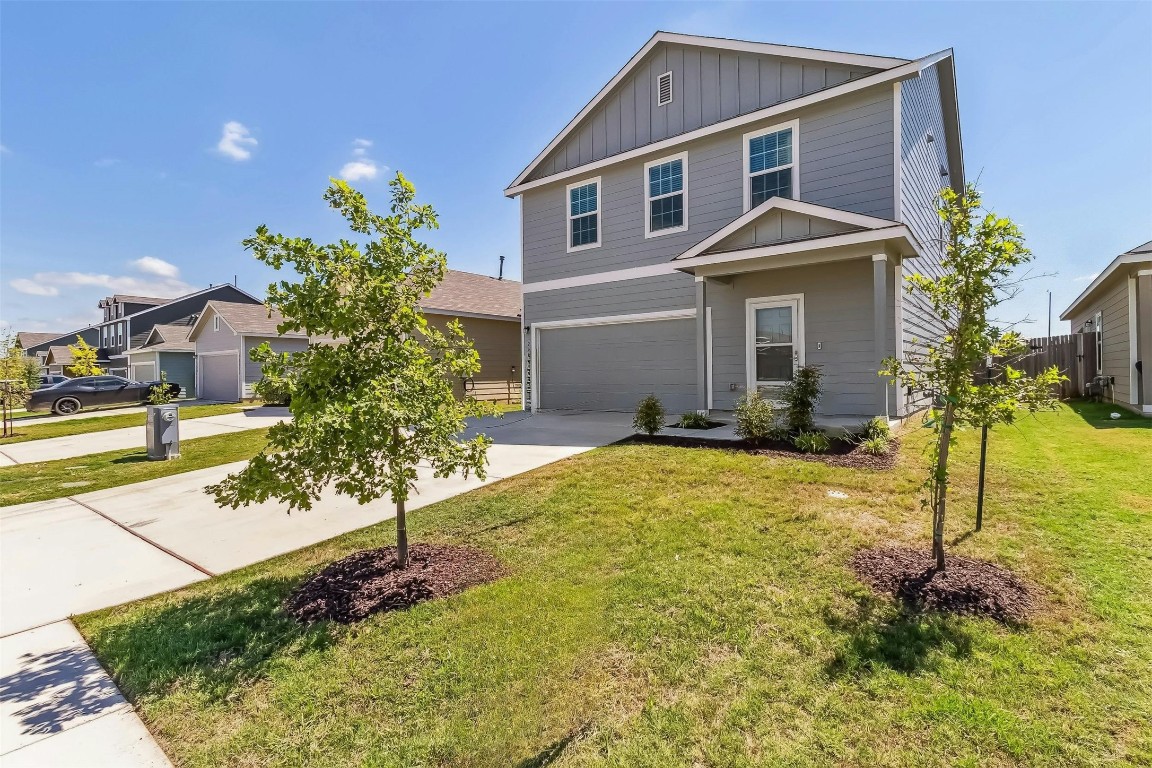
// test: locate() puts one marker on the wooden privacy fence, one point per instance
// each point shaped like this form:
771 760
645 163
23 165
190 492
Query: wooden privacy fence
1074 355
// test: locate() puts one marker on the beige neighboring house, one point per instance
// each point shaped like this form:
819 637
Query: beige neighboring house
27 340
57 359
1117 305
489 308
223 336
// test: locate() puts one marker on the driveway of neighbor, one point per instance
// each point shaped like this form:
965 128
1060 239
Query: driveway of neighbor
103 548
71 446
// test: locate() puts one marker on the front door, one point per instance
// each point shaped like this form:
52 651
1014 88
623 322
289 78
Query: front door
775 337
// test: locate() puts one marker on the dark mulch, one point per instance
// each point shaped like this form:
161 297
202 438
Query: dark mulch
709 425
368 582
967 586
841 453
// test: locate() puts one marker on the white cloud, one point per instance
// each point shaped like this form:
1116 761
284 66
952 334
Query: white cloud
362 167
106 162
235 141
1085 278
150 265
4 150
33 288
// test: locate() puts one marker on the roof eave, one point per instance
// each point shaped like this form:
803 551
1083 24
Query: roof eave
1124 259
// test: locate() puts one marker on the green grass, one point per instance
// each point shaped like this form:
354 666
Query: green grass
33 431
685 607
37 481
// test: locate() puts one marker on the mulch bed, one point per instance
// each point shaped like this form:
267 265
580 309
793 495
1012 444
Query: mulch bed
967 586
842 453
367 582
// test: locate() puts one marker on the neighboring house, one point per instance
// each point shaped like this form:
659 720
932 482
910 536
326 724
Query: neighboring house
39 347
489 309
224 336
166 350
1117 306
56 359
722 212
26 340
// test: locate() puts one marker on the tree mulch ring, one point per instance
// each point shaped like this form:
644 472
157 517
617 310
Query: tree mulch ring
966 586
841 453
368 582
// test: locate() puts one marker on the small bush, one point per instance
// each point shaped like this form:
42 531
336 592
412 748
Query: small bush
811 442
274 390
876 427
694 420
875 446
800 397
650 416
159 394
755 419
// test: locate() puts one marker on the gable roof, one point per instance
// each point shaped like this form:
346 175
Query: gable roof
28 339
166 338
1138 255
244 319
786 204
890 69
166 302
59 355
467 294
126 299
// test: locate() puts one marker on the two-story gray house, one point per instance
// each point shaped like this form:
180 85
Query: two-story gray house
723 212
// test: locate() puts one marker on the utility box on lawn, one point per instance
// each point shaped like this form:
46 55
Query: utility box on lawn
163 432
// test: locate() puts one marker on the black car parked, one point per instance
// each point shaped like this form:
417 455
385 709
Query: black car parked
94 391
51 380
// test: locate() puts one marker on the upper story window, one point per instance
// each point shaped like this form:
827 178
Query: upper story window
770 167
119 309
584 215
664 182
120 334
664 89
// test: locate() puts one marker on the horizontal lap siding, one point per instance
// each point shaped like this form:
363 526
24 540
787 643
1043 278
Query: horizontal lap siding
180 367
625 297
252 373
1117 354
837 315
498 344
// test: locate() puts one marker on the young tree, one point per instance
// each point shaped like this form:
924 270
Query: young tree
83 359
981 251
376 401
19 377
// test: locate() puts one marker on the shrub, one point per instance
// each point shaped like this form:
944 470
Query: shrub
811 442
694 420
159 394
755 420
876 427
650 415
875 446
800 397
274 390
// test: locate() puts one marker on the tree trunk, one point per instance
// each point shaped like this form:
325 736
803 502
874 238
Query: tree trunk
940 489
401 523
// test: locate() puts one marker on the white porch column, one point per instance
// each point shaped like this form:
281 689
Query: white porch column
880 275
701 344
1143 331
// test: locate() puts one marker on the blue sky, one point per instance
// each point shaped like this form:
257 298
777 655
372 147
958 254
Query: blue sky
143 142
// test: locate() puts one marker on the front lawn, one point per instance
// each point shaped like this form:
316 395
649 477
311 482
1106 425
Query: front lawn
32 431
40 480
679 607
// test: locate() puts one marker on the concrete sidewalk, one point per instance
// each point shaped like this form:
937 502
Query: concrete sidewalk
71 446
99 549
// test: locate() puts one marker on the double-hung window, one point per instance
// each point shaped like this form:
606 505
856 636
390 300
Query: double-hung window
665 181
770 168
584 215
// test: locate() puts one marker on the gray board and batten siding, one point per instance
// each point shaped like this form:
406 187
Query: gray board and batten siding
708 86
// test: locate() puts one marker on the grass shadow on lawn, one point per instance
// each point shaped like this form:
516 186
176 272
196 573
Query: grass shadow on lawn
1099 415
214 642
886 635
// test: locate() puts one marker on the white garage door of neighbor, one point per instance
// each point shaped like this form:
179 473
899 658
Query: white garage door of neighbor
219 377
143 372
611 367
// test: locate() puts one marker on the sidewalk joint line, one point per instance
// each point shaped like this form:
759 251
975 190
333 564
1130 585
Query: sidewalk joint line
142 537
9 458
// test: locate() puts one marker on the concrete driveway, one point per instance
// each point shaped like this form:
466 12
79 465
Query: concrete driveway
99 549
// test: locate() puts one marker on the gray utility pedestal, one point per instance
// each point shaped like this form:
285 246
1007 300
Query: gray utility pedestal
163 432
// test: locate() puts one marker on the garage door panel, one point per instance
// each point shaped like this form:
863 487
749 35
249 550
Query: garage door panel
611 367
219 378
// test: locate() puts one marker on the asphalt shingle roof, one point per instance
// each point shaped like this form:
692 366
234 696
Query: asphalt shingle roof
29 339
255 319
475 294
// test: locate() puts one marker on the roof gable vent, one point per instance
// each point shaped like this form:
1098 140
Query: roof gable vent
664 89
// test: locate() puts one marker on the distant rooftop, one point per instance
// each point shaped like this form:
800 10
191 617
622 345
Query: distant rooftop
28 339
124 298
472 294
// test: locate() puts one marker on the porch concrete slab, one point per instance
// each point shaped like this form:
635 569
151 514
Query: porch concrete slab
52 684
58 558
128 438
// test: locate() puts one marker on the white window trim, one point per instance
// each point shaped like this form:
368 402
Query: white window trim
1133 346
795 300
794 165
671 85
215 323
569 217
648 232
1098 322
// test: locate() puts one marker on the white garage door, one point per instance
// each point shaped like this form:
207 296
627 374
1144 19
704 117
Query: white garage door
611 367
143 372
219 377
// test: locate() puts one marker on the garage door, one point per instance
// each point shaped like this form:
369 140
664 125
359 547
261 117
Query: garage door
611 367
144 372
219 377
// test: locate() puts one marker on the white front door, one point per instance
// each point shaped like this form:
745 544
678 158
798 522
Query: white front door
775 339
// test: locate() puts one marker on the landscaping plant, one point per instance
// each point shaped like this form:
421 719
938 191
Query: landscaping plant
275 385
159 394
650 416
367 410
980 252
811 442
755 420
20 375
800 397
875 446
694 420
875 427
83 359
